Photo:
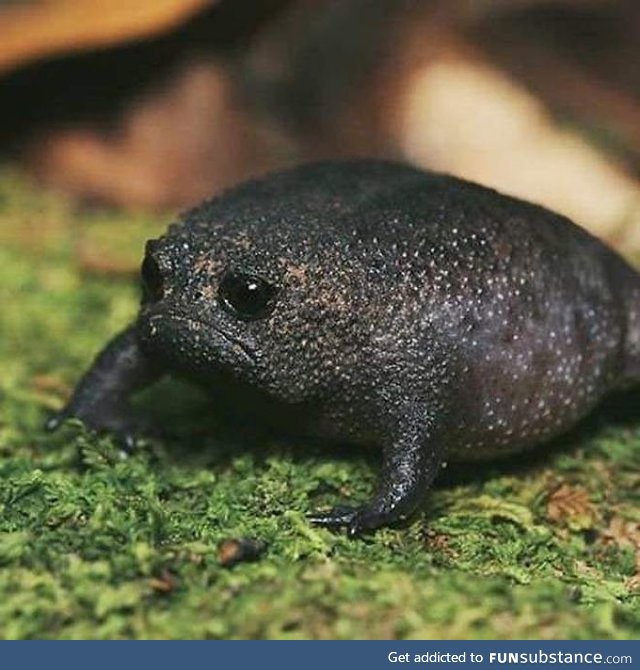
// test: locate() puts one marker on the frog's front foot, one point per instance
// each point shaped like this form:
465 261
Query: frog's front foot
101 399
409 466
117 419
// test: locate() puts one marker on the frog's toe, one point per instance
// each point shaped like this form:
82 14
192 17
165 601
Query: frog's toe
54 421
116 419
366 520
336 517
127 440
357 520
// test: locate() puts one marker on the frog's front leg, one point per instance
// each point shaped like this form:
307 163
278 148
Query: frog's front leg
410 464
101 398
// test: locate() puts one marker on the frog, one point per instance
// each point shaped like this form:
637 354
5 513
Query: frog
374 303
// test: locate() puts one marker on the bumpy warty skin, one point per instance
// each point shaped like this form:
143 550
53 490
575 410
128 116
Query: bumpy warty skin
410 311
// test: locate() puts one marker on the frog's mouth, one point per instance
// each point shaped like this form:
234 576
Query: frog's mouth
193 343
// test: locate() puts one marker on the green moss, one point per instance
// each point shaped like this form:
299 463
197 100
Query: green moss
94 545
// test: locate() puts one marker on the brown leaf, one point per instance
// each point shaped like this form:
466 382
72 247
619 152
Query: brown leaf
623 533
439 542
165 583
571 506
238 550
626 535
50 383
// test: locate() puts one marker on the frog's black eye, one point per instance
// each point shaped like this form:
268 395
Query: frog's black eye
246 296
152 283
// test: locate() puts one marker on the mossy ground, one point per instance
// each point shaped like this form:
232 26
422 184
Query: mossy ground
95 545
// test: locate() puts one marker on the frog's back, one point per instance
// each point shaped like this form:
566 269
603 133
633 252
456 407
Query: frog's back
542 316
545 318
374 198
513 269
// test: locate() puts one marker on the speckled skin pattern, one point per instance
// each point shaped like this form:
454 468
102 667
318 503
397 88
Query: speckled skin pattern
424 315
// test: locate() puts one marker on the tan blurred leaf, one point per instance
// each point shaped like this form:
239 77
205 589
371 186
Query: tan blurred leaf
32 30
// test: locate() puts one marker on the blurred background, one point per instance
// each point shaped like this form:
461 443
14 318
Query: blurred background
156 104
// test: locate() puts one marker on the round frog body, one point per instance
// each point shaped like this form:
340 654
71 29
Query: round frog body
372 302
